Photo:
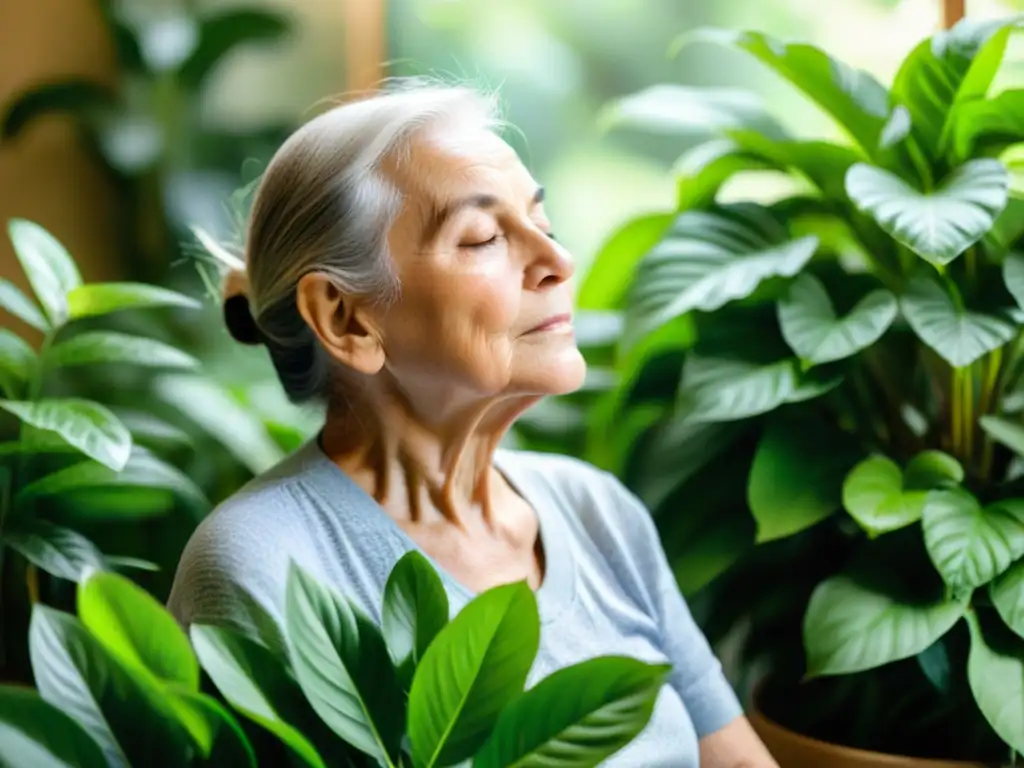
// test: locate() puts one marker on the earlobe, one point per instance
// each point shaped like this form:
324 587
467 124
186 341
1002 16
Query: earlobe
341 325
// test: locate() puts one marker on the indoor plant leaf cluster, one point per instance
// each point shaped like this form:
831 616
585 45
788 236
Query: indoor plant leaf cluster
119 685
836 375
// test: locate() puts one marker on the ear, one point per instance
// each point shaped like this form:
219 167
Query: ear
345 329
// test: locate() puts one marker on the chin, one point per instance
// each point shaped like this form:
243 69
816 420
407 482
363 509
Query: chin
556 375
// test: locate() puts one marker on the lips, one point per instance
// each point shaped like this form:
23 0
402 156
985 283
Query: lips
555 321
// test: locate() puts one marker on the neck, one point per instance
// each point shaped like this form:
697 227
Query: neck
420 470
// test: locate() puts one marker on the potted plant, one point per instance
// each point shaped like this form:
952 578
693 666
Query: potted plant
120 684
822 395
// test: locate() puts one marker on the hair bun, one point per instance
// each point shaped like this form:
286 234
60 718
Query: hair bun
240 322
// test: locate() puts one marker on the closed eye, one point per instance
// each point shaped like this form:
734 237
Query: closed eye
483 243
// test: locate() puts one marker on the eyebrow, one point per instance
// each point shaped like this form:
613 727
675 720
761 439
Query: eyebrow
484 201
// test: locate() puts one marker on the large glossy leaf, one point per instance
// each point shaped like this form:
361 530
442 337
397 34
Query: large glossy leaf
793 484
1007 593
83 424
415 609
999 120
95 347
959 335
996 678
811 328
850 628
968 545
344 669
937 225
475 667
1005 432
35 733
881 497
103 298
607 280
708 259
50 269
21 306
579 715
222 33
57 550
257 685
126 718
854 98
137 630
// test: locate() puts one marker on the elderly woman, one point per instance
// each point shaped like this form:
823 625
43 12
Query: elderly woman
402 272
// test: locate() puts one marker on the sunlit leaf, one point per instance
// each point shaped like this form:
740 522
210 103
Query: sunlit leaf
83 424
21 306
607 280
415 609
1007 593
97 347
103 298
51 271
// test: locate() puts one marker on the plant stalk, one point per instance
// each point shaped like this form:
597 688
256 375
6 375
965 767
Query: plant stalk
952 12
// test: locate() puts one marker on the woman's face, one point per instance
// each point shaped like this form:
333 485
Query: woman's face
486 297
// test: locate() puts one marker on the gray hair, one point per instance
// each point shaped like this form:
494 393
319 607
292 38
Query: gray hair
324 205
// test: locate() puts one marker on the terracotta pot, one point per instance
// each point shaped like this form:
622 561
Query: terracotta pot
791 750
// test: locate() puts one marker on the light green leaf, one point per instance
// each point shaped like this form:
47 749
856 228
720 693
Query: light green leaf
851 628
579 715
959 335
104 298
998 120
343 667
137 630
151 430
57 550
415 609
1007 593
968 545
257 685
608 277
896 129
1013 276
996 678
937 225
1005 432
95 347
852 97
21 306
811 328
932 469
476 666
50 269
83 424
38 734
17 358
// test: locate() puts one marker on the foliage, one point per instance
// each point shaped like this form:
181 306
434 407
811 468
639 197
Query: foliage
119 685
822 392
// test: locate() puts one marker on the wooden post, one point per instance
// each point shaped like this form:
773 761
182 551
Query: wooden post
952 12
364 45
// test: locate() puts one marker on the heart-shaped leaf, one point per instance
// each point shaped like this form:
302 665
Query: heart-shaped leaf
50 269
996 677
21 306
968 545
938 225
103 298
83 424
850 628
343 667
95 347
811 328
476 666
57 550
708 259
1007 593
415 609
1005 432
960 336
36 733
881 497
579 715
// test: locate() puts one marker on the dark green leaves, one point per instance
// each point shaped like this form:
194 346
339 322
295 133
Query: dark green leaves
609 275
580 715
1007 593
85 425
415 609
474 668
56 549
219 35
36 733
996 677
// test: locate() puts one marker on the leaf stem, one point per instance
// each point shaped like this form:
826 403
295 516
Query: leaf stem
967 411
988 402
32 583
955 421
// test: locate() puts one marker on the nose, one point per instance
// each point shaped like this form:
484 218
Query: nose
550 263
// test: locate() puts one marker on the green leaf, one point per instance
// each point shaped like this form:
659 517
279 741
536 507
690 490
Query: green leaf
125 717
997 120
343 667
579 715
934 662
937 225
95 347
17 358
968 545
50 269
1013 276
57 550
1007 593
151 430
256 684
996 678
1005 432
708 259
83 424
221 34
896 129
810 326
21 306
475 667
959 335
103 298
883 498
38 734
607 280
793 484
852 97
77 95
415 609
851 628
137 630
215 732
